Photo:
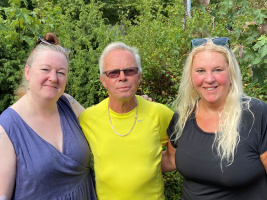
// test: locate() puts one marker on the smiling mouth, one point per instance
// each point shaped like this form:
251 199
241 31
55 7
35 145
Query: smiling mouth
210 89
51 86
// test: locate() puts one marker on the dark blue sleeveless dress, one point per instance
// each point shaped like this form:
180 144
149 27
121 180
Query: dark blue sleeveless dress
42 171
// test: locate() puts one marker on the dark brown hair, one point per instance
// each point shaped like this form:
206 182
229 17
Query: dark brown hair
51 38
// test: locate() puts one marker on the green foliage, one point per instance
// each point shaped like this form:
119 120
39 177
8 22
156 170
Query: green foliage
250 46
89 35
4 3
173 185
10 71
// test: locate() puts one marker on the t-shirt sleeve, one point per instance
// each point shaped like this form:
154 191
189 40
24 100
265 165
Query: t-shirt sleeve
263 130
171 129
166 115
254 125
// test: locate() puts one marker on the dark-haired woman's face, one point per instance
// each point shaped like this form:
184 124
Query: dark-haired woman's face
47 76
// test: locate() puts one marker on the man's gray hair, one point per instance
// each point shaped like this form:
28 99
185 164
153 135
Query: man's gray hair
122 46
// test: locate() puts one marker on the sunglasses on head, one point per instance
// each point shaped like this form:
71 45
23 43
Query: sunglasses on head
42 41
116 72
220 41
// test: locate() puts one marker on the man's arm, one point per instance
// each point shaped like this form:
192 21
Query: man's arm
168 159
7 166
76 106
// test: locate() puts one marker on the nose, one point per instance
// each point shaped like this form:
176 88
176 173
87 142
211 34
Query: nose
53 76
210 78
122 76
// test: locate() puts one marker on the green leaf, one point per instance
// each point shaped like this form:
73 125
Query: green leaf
263 51
256 60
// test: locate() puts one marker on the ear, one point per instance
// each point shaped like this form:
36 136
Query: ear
26 72
103 81
231 81
139 78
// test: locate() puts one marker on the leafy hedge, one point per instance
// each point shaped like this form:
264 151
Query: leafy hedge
161 30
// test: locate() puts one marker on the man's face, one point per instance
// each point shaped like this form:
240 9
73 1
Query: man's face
123 87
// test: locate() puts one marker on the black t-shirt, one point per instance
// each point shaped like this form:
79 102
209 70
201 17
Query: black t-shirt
196 160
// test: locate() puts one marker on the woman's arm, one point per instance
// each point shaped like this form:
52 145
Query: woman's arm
264 160
168 159
76 106
7 166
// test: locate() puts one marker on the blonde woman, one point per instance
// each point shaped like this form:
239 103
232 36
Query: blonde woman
218 135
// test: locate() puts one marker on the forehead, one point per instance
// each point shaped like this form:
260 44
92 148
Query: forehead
209 58
119 59
50 57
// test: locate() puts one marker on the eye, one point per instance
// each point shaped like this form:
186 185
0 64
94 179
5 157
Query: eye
130 70
218 70
61 73
114 72
200 71
45 70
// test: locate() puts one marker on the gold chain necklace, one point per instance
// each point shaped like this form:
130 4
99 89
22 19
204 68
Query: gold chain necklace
132 126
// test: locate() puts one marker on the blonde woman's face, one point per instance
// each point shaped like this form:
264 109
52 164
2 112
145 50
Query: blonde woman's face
47 75
210 77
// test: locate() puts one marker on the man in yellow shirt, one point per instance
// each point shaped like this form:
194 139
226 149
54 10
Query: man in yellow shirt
126 132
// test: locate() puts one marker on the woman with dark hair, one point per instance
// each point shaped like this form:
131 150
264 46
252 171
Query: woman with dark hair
44 154
218 135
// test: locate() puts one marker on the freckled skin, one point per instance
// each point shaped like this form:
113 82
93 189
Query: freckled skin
210 77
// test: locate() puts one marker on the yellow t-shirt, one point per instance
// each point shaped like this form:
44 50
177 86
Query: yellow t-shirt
127 167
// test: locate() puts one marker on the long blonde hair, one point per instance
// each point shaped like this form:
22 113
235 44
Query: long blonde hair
226 136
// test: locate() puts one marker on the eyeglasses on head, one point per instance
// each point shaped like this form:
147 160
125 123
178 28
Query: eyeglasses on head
219 41
42 41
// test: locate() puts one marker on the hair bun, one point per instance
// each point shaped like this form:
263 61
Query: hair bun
51 38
